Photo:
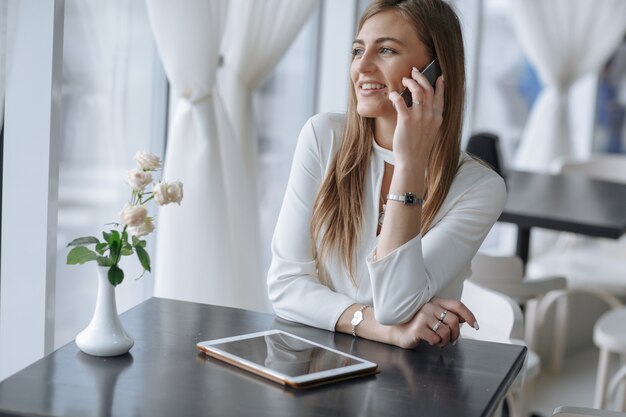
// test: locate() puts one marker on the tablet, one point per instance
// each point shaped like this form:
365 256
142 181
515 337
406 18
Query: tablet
287 359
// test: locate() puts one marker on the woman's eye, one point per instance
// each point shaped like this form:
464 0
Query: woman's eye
357 52
387 51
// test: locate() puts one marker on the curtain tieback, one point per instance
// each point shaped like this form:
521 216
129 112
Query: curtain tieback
195 100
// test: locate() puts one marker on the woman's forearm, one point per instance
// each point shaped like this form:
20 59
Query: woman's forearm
402 222
369 328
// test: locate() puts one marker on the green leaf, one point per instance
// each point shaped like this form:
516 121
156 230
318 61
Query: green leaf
105 261
116 235
87 240
115 244
101 247
106 236
139 242
144 258
127 251
80 255
116 275
127 248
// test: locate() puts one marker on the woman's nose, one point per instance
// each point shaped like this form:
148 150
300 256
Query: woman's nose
365 63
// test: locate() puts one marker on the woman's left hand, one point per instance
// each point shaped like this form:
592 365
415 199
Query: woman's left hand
417 126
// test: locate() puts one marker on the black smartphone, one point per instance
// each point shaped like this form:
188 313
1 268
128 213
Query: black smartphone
431 72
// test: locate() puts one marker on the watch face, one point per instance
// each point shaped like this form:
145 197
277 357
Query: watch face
409 199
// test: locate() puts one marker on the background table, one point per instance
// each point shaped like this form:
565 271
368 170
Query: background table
565 202
164 375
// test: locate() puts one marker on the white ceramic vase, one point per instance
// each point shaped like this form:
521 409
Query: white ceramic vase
104 336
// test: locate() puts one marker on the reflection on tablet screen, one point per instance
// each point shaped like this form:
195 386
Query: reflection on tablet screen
286 354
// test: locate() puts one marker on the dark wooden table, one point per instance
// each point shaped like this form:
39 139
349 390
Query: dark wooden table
164 375
566 202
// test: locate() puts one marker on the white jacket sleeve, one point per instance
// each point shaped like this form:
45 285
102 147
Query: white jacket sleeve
294 288
408 277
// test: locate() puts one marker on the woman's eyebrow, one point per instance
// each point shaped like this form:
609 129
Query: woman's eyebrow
380 40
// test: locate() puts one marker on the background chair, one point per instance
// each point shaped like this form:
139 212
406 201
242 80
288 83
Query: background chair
486 146
584 412
505 274
501 320
609 334
592 266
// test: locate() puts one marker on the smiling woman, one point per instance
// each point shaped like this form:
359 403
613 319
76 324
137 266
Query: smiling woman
390 277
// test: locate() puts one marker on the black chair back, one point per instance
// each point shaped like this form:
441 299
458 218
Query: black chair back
486 147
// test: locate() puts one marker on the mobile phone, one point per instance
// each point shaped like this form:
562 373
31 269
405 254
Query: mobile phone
431 72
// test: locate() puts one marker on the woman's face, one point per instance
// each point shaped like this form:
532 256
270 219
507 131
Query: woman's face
384 51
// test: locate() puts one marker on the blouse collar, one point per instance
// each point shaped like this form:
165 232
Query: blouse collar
383 153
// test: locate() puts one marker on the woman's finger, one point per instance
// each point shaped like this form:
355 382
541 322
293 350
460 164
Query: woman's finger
427 89
452 321
398 103
443 332
431 335
414 88
458 308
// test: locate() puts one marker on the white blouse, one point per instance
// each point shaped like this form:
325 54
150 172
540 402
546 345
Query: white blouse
398 284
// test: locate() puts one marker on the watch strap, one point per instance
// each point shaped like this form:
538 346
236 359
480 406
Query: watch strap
409 199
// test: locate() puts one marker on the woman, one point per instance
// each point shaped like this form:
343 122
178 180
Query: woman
348 254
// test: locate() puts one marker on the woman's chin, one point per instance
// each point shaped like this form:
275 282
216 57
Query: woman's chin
373 111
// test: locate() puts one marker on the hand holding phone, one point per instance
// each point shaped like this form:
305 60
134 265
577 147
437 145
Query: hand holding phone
431 72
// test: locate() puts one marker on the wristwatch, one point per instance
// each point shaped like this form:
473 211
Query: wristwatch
357 318
409 199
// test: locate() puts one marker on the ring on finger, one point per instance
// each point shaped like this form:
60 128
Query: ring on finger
437 325
443 315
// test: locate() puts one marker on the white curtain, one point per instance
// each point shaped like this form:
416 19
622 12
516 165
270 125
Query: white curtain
257 36
199 246
564 40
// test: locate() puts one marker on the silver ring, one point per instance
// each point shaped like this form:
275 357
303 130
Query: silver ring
443 315
437 326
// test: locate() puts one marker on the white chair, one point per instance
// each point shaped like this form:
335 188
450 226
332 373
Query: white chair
609 334
505 274
591 266
584 412
501 320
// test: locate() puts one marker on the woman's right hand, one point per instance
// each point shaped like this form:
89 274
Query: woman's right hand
423 326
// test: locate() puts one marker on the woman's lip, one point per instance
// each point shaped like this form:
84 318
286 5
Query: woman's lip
368 93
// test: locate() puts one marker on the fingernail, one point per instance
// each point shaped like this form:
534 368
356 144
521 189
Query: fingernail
415 69
455 340
442 79
476 326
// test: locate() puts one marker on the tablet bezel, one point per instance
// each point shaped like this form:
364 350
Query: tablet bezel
362 367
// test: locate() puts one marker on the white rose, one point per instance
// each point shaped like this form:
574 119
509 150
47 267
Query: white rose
166 192
138 179
133 216
143 229
147 161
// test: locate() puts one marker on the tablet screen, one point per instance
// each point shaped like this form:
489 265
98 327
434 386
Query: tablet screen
286 358
284 353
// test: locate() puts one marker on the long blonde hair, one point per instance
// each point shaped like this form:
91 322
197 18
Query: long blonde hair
337 212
